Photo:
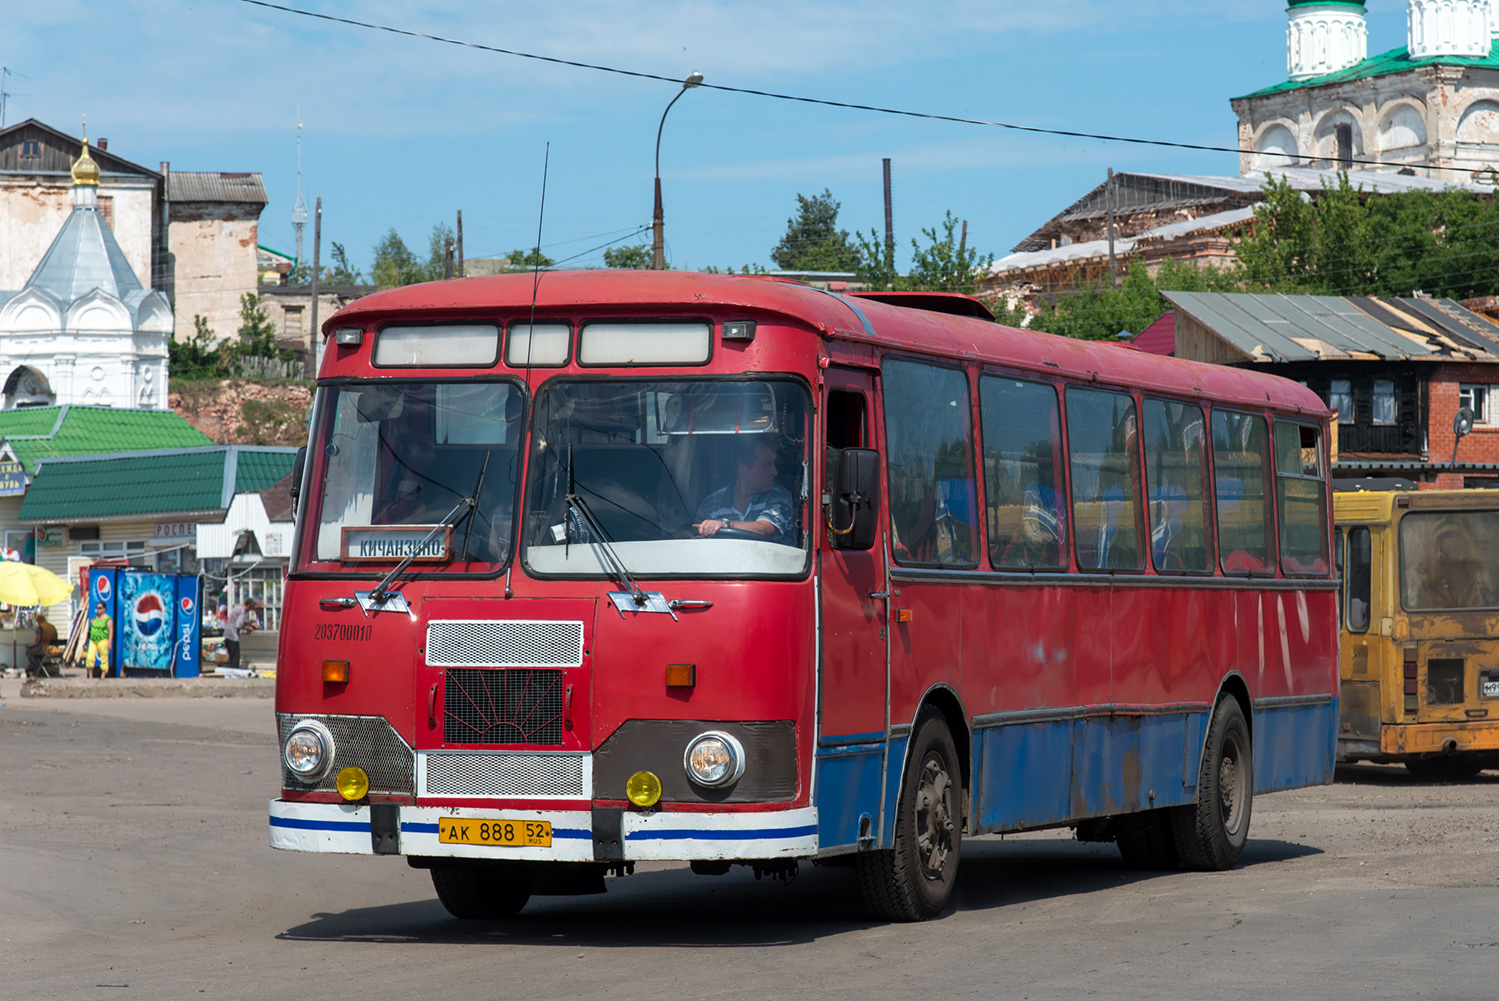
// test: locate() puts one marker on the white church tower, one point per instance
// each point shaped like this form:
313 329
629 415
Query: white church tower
1325 36
1449 28
84 330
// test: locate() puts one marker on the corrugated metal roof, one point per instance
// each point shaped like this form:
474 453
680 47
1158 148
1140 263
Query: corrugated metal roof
84 256
46 432
147 484
215 186
1287 328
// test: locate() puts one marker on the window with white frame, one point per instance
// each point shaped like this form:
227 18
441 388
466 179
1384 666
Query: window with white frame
1340 398
134 551
1476 399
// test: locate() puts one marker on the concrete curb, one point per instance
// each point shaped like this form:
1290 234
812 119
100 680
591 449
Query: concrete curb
149 688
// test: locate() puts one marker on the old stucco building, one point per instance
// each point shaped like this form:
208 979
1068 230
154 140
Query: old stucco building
1430 108
190 235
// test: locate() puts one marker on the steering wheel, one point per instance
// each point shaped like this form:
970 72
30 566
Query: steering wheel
736 533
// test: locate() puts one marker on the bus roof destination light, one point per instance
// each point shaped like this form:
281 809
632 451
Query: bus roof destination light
348 337
645 343
738 330
437 345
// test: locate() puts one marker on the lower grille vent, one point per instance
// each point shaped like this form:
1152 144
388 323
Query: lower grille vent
544 775
514 706
367 741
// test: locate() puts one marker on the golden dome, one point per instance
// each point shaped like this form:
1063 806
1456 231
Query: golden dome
85 170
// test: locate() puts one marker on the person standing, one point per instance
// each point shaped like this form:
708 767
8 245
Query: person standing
101 639
237 623
46 635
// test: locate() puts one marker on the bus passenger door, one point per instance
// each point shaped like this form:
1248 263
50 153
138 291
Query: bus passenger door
852 678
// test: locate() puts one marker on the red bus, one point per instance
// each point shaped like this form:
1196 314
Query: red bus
605 567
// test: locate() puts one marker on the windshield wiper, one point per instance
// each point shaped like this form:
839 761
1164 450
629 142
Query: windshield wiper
613 563
464 505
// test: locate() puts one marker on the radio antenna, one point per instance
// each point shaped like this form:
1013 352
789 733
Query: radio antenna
536 260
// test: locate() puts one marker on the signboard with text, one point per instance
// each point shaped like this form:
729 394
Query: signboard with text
12 479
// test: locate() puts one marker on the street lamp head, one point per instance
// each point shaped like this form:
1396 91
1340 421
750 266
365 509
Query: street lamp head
693 79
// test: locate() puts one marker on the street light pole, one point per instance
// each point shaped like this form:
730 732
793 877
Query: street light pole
658 239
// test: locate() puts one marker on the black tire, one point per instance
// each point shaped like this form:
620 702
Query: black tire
1146 840
480 892
914 880
1448 768
1210 833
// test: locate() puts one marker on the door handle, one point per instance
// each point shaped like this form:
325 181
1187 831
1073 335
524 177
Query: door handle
432 707
567 708
883 594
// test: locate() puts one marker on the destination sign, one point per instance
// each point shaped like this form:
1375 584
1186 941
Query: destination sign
396 542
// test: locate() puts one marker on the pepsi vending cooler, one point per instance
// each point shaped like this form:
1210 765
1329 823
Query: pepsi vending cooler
157 623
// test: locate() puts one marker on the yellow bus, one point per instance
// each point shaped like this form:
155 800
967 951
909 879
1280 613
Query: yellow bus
1419 663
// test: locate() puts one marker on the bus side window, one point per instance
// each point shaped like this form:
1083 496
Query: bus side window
846 425
929 444
1358 578
1241 476
1022 484
1339 566
1175 471
1302 494
1105 464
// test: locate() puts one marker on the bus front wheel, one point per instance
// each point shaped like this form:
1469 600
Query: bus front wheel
498 890
914 880
1210 833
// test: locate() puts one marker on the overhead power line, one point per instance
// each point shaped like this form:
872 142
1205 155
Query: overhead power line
824 102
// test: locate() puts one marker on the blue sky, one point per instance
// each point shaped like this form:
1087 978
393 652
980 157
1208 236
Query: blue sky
400 132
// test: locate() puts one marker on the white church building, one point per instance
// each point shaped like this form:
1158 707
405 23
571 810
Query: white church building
83 329
1429 109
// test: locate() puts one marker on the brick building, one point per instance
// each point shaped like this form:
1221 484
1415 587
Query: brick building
1397 371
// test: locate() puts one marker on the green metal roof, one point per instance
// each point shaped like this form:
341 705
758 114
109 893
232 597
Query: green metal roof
45 432
1393 61
184 481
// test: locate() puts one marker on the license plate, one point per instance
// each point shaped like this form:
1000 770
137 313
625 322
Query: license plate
1491 689
500 833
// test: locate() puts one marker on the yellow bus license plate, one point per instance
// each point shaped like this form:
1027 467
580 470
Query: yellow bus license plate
502 833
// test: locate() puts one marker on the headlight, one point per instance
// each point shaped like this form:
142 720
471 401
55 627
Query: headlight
714 759
308 750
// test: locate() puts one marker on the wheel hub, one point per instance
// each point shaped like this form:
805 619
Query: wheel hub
934 817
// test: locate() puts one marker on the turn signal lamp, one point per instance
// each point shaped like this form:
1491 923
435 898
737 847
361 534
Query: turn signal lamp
336 670
681 675
643 789
353 783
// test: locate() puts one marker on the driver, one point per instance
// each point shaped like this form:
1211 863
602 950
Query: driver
753 502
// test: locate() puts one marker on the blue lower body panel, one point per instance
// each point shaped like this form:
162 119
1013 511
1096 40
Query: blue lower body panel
848 789
1295 746
1023 775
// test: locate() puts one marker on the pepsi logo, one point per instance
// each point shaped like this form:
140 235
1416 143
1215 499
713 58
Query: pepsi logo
187 604
101 588
150 614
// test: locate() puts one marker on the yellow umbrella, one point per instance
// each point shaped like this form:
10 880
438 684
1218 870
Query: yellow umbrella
24 585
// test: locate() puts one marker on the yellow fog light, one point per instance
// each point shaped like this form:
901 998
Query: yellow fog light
353 783
644 789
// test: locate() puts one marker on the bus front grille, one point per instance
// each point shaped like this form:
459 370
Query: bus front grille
369 742
514 706
547 775
504 643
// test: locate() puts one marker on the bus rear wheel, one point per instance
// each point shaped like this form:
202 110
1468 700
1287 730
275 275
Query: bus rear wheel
1210 833
914 880
497 890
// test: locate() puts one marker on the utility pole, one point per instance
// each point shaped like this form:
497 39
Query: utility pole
310 365
963 241
447 257
1109 197
889 223
460 243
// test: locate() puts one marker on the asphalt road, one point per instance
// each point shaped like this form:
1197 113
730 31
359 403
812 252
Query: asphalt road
134 864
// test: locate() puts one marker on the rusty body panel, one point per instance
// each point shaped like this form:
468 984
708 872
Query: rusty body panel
1420 670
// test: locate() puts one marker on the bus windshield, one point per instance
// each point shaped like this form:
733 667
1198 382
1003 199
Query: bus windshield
1449 560
401 456
695 477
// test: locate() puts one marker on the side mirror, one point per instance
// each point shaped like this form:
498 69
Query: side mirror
297 466
856 499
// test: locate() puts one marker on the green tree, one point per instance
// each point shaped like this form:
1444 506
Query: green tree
946 264
394 263
637 257
877 263
439 244
342 273
195 357
525 260
1100 312
813 241
256 334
